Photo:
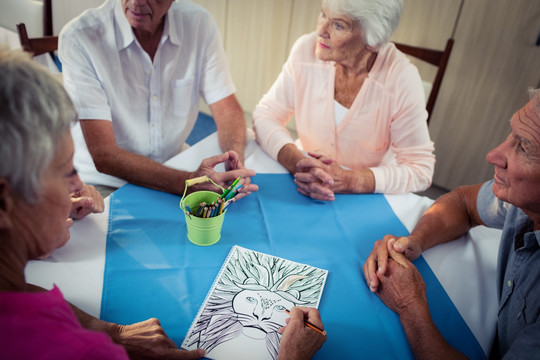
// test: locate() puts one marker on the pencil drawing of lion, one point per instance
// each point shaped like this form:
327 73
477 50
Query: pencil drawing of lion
249 303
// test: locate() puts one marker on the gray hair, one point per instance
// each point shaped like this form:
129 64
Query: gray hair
535 94
35 111
378 18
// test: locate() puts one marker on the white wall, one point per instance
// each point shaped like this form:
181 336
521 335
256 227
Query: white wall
30 12
65 10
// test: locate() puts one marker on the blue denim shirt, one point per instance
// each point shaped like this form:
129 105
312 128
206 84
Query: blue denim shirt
518 278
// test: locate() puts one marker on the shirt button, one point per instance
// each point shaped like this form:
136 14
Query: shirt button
154 97
509 283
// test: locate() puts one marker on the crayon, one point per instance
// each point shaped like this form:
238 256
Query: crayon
200 210
225 193
230 188
234 191
221 206
228 203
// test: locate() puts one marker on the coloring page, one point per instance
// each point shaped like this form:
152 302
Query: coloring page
248 303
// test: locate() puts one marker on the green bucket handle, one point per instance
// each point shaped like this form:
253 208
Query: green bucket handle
195 181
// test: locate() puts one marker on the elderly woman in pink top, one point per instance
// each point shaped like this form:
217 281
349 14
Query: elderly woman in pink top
36 179
358 104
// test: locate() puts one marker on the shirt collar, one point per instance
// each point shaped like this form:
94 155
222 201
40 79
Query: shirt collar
173 26
537 235
124 33
524 225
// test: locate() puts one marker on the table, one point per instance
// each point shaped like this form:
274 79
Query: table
77 268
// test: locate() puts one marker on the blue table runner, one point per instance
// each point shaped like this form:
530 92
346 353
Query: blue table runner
152 270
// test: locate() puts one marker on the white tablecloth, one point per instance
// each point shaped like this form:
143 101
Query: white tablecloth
465 267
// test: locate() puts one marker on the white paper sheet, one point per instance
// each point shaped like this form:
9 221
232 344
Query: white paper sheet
248 304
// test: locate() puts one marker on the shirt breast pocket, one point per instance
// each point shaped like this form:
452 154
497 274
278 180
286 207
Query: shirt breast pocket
518 310
182 96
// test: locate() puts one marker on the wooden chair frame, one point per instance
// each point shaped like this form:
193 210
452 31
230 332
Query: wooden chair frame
435 57
38 45
47 18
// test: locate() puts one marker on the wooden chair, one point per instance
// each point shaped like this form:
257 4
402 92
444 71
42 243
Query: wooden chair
47 18
434 57
39 45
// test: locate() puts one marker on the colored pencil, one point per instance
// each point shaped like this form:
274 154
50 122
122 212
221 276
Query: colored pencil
310 325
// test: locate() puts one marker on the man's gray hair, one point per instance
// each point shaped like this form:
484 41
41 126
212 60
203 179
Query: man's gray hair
35 112
378 18
535 94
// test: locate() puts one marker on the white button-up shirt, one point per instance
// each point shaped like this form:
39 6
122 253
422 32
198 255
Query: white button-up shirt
152 105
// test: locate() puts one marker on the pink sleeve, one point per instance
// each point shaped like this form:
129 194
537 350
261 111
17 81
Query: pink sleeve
415 162
412 173
274 111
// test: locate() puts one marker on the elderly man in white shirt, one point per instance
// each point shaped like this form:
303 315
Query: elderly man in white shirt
135 70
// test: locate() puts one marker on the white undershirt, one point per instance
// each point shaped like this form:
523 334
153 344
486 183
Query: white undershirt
339 112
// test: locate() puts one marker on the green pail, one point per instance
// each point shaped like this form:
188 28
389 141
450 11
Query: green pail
202 231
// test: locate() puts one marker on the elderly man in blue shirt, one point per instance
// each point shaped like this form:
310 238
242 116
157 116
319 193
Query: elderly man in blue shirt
511 202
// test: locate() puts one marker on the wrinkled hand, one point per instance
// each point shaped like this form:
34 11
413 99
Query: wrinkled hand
299 341
224 179
377 261
234 162
402 285
147 340
319 177
86 201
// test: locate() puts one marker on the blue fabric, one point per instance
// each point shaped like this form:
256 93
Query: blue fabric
204 126
152 270
57 62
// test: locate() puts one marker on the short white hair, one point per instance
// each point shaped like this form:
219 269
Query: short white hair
378 18
535 94
35 112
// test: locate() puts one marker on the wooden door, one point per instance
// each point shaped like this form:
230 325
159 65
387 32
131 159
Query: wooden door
494 61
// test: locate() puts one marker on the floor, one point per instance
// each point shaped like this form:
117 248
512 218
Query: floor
433 192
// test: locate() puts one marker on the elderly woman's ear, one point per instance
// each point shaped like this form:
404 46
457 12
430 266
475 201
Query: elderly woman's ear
6 203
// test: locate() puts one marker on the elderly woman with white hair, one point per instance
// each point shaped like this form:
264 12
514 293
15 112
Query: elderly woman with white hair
358 105
37 178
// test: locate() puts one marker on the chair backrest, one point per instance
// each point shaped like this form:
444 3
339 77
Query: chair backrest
47 18
38 45
434 57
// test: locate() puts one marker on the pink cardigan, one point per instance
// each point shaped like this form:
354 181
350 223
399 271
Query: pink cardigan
387 114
